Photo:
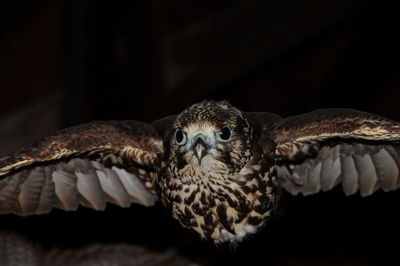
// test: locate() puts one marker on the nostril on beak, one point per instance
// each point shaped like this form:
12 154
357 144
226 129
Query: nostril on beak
200 146
200 141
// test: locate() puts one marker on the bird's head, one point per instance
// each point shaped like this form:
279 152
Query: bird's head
210 136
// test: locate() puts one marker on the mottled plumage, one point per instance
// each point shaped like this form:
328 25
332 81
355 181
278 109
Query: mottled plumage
231 191
217 169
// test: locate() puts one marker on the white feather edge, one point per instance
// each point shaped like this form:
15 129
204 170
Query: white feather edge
91 184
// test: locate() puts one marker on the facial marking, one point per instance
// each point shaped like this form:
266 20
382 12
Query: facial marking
201 146
204 128
224 133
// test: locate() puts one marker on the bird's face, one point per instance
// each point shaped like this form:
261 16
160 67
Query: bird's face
210 137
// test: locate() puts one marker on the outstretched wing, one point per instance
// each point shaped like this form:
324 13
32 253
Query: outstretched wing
90 164
318 150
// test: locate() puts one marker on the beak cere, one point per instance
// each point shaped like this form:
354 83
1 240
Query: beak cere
200 146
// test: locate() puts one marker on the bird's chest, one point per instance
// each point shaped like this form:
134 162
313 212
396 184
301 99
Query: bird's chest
221 208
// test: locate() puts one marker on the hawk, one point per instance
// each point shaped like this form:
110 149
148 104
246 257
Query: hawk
217 169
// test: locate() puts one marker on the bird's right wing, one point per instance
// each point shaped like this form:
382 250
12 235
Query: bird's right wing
89 165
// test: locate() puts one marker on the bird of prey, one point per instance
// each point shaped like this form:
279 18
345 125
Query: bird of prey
217 169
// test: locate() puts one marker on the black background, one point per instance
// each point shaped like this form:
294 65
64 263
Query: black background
143 60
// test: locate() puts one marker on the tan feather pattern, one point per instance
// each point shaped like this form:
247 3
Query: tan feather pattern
361 169
319 150
89 165
112 140
293 134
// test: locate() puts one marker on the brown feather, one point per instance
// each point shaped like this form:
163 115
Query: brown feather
355 148
83 165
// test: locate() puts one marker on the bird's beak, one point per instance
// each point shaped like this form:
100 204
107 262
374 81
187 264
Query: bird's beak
200 146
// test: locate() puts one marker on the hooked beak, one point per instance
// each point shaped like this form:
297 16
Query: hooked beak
200 146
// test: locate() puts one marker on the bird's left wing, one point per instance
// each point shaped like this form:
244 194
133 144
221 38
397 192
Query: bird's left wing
90 165
318 150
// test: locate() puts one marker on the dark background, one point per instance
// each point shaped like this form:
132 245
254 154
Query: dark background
67 62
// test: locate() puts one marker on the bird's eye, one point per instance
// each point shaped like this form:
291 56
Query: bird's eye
225 134
180 137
